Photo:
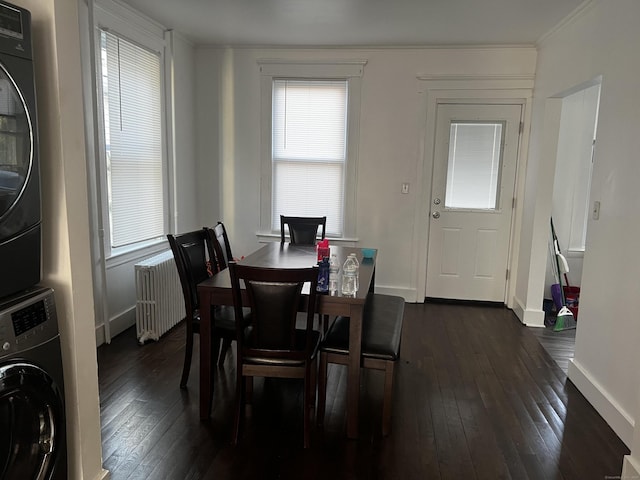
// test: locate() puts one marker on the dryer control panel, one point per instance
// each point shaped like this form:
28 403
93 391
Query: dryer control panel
27 320
15 30
11 21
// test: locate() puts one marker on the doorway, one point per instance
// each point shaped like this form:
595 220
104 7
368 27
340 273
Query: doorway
571 205
472 200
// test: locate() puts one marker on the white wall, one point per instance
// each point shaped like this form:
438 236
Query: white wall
390 147
65 221
602 40
186 176
209 113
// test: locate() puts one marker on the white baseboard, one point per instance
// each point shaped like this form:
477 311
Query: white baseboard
99 335
409 294
618 419
534 318
528 316
103 475
518 309
630 468
117 324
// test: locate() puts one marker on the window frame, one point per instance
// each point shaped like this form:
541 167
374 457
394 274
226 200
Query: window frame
349 70
139 31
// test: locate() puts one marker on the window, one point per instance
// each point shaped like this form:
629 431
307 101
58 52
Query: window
133 168
473 169
309 150
309 144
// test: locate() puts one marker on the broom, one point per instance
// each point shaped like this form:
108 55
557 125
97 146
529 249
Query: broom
564 319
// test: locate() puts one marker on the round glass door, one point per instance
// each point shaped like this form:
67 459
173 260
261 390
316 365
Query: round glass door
15 143
31 415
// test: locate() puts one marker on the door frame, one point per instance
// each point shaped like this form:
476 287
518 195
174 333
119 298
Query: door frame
436 89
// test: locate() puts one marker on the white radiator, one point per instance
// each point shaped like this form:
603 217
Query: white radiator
159 300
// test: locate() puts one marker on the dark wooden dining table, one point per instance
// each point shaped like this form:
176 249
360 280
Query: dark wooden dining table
216 290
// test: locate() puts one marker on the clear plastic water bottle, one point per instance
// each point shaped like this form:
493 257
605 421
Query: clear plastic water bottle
334 269
357 264
349 277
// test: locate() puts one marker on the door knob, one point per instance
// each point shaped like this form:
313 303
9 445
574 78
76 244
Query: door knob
435 214
436 201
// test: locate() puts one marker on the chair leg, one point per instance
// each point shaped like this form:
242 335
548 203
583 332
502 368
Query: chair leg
215 347
309 400
226 343
188 352
248 393
322 389
388 394
240 389
314 385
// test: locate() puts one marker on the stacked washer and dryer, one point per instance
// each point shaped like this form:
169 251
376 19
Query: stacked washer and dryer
32 409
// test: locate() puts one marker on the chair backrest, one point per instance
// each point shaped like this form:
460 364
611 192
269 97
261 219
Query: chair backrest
192 252
221 246
302 230
274 298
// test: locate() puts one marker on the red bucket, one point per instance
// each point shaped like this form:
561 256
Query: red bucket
572 299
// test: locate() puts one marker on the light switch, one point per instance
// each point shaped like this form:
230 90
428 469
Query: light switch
595 213
405 188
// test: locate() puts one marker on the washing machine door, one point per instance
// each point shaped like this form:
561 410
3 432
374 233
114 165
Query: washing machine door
31 412
16 143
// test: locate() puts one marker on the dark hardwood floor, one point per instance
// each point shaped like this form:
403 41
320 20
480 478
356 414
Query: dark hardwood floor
476 397
559 345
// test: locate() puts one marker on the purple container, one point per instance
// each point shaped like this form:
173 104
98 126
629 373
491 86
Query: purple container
556 295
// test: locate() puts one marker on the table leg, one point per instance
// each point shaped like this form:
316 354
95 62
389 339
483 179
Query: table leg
206 384
353 374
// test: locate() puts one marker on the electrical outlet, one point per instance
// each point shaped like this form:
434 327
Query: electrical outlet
595 213
405 188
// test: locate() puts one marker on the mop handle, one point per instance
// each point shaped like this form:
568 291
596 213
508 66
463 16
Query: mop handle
555 239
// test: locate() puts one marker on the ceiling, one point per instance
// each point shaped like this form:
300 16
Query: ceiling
359 22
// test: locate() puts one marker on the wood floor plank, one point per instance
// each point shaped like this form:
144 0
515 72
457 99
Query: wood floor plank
476 396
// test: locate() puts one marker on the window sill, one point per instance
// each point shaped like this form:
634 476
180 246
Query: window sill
137 252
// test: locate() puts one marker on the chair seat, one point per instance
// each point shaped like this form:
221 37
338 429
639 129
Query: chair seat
381 329
290 362
224 317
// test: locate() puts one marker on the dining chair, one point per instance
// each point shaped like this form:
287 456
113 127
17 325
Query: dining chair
192 252
221 245
272 346
302 230
219 240
381 331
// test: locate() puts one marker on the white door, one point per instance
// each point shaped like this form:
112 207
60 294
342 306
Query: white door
476 150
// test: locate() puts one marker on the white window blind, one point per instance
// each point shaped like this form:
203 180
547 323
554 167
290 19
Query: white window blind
309 150
473 171
131 85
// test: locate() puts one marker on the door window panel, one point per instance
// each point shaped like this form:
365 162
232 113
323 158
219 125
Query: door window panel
15 144
474 165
